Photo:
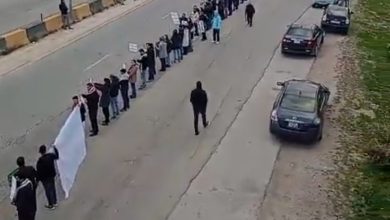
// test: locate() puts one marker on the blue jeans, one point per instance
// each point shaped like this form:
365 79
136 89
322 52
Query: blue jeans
177 54
114 105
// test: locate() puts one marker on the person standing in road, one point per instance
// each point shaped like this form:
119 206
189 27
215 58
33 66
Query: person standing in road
105 99
199 104
249 12
124 87
176 44
46 174
202 25
76 102
65 15
216 25
133 70
162 53
236 4
25 199
144 67
151 61
114 92
168 61
195 19
92 98
186 36
26 171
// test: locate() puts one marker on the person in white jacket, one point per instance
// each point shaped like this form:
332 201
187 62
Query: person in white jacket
195 19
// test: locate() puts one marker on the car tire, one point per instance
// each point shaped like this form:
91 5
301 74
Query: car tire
322 39
283 51
271 130
314 5
345 32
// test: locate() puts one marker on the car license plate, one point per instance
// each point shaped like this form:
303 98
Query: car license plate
335 22
297 41
293 125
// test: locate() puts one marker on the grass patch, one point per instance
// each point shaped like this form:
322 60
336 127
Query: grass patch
366 115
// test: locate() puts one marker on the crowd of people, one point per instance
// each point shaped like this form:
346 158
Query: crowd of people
169 50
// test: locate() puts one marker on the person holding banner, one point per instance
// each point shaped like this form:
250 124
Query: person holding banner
105 99
26 171
124 88
144 67
46 174
76 102
92 98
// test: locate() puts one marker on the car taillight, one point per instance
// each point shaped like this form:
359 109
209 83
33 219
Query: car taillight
274 116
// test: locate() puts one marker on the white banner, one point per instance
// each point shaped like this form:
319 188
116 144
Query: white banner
71 146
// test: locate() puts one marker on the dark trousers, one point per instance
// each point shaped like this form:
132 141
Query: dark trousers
163 64
50 190
185 50
152 71
106 113
196 118
125 98
26 216
133 90
249 19
93 118
236 4
216 35
204 36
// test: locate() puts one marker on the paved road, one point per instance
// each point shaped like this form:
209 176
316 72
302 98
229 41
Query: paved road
140 166
16 13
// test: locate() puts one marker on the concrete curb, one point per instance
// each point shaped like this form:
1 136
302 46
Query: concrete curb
37 30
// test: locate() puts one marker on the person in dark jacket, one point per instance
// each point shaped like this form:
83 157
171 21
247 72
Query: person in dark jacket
249 12
105 99
143 61
199 104
46 174
65 15
124 88
176 46
25 199
114 92
92 98
151 61
26 171
76 102
169 50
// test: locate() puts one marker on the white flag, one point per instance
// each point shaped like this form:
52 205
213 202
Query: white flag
71 146
13 188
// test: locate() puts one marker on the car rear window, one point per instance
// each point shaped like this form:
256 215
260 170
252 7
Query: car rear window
338 11
301 32
298 103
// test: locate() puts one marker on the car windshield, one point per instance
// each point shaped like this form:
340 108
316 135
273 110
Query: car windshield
298 103
300 32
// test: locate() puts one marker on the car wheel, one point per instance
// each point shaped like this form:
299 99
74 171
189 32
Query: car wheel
345 32
315 5
322 39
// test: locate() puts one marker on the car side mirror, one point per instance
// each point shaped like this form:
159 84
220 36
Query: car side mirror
288 26
351 12
280 83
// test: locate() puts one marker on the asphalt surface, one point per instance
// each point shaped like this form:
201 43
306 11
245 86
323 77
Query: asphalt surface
140 166
17 13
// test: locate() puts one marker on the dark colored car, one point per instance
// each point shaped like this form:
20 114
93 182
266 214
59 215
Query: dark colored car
336 18
343 3
298 111
303 39
322 3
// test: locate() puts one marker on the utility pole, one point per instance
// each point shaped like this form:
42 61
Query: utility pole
71 12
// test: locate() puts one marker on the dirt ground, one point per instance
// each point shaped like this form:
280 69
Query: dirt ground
300 183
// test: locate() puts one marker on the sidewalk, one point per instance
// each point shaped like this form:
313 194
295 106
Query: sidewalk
36 51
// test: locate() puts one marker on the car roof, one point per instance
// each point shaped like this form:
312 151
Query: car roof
304 88
303 26
337 8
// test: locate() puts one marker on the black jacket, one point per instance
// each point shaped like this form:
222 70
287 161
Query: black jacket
28 172
114 89
176 41
105 96
63 8
249 10
144 62
92 101
199 99
46 167
26 200
151 56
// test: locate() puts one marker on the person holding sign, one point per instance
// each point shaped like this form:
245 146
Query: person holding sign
92 98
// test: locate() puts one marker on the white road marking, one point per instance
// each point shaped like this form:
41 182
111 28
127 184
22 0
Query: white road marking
96 63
